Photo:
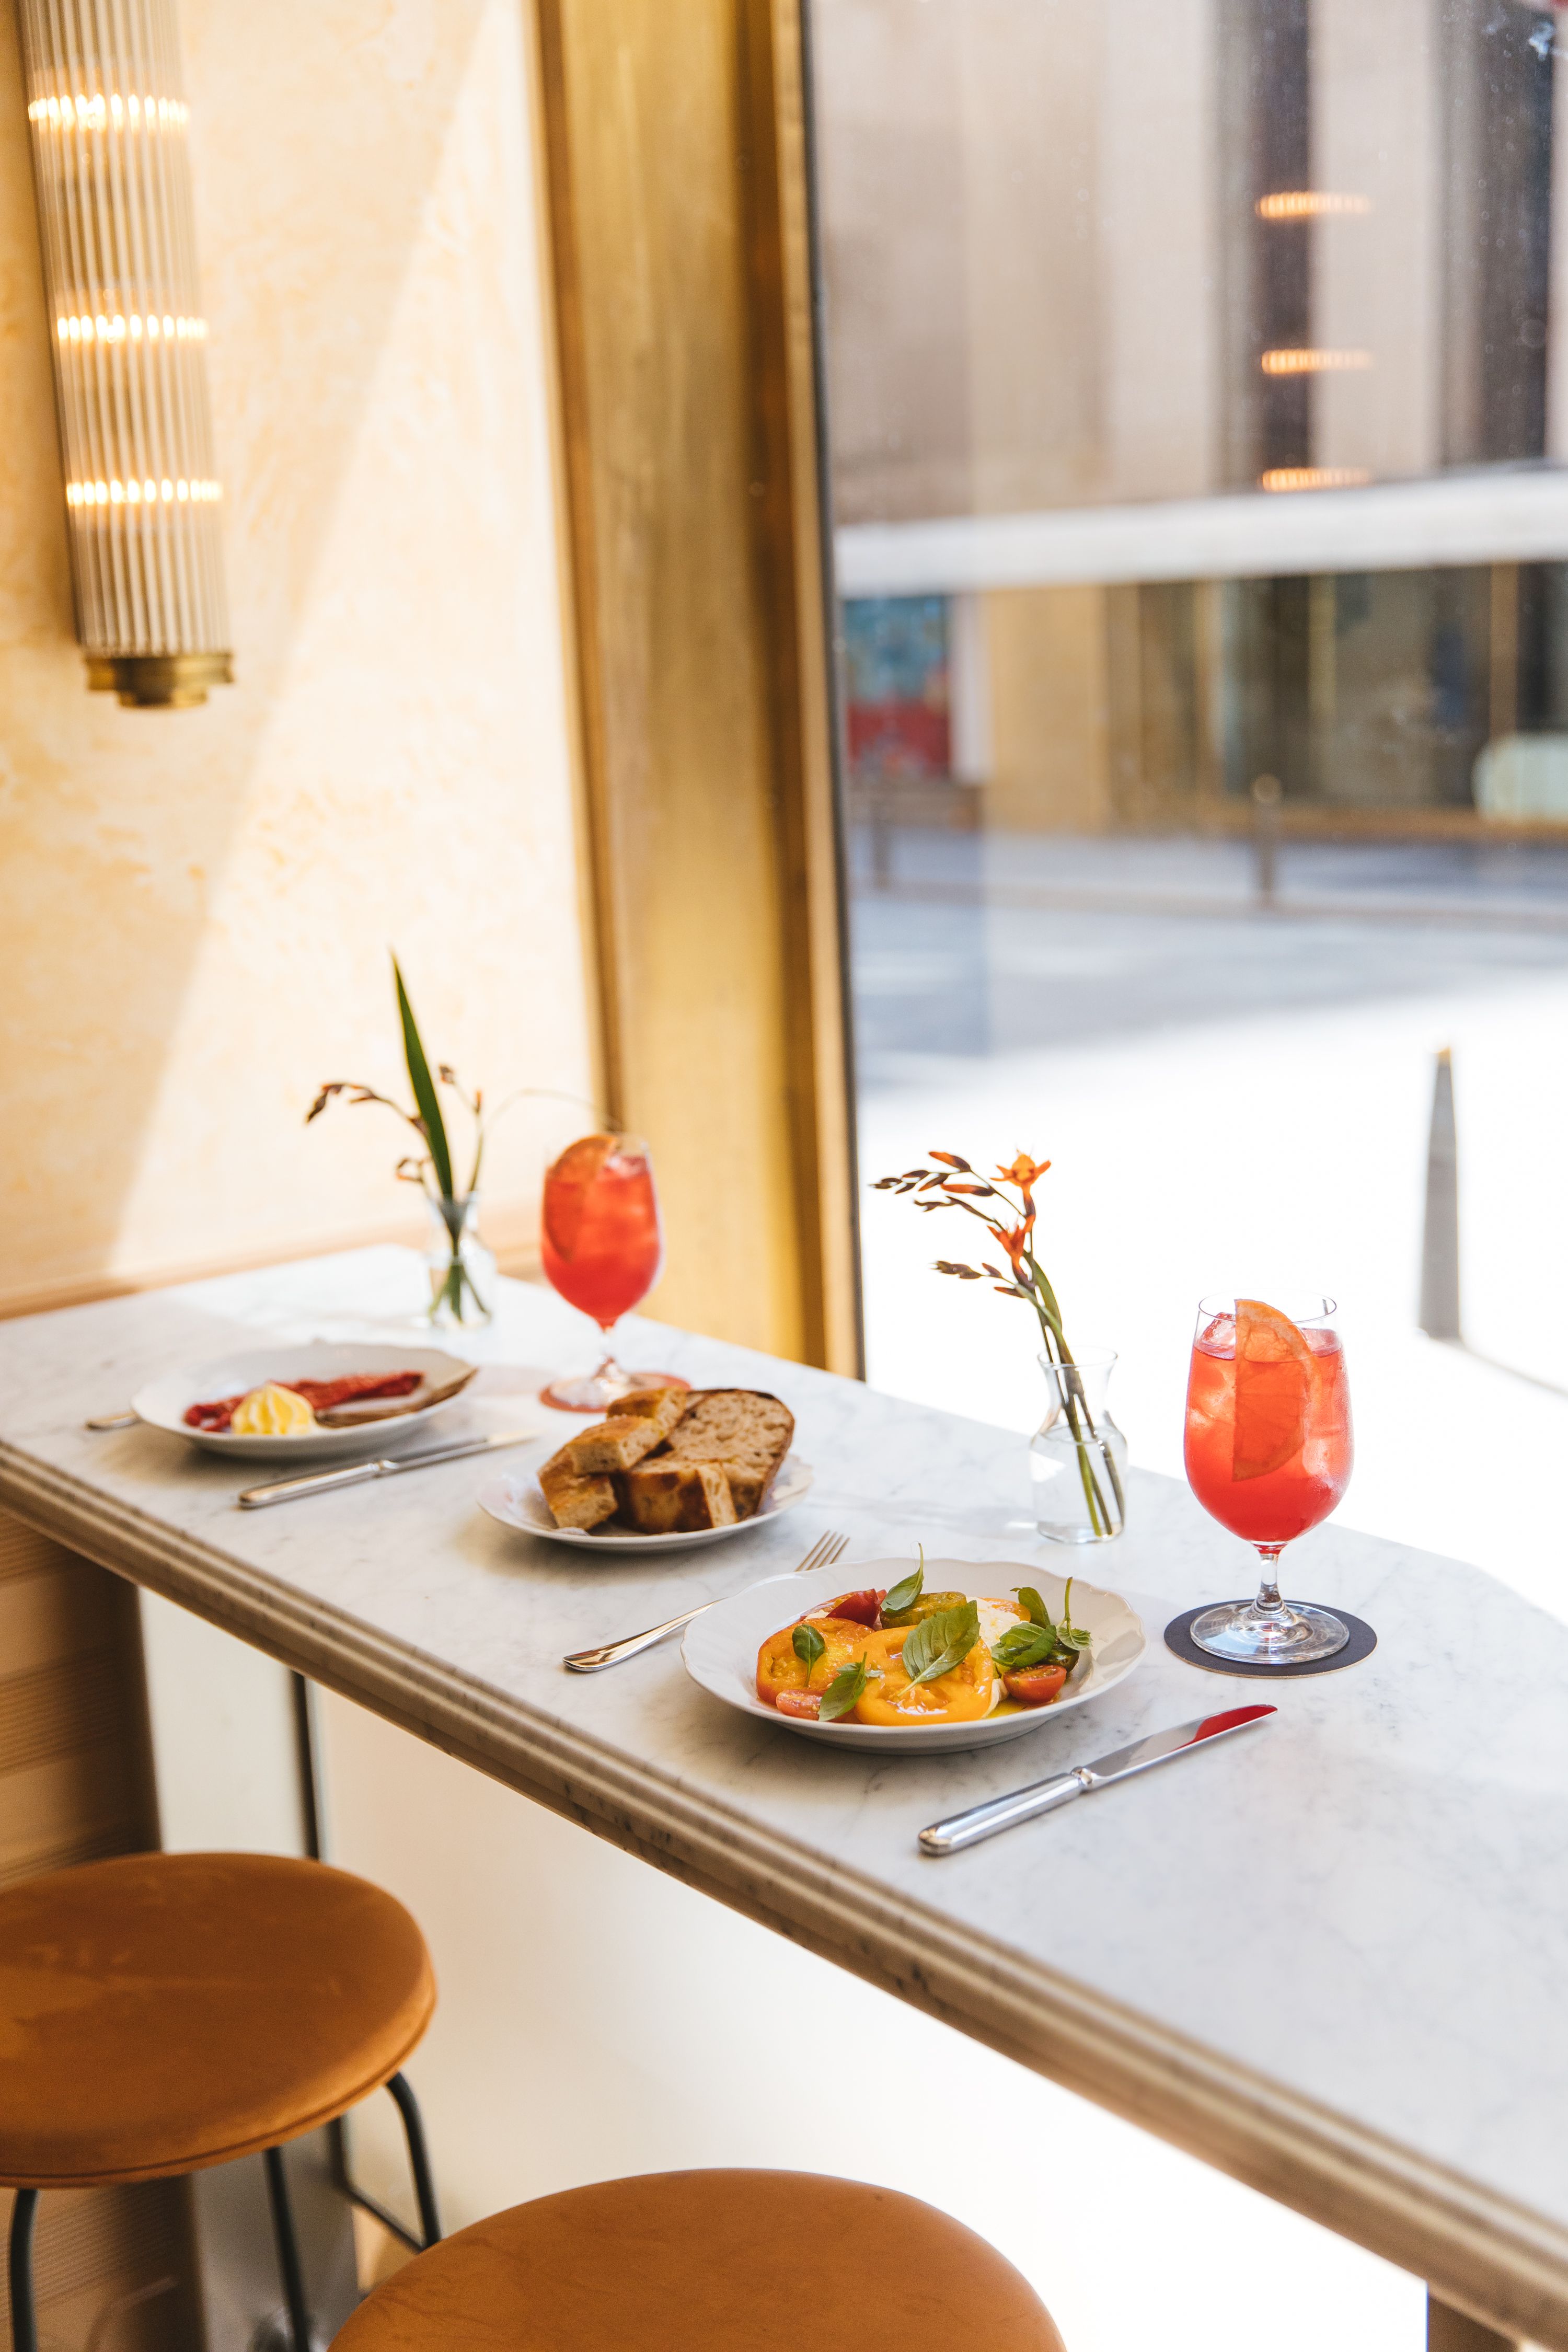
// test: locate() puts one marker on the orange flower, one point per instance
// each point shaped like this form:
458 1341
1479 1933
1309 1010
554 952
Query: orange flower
1024 1171
1015 1242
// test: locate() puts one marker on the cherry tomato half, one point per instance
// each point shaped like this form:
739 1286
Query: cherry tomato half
1034 1686
865 1608
807 1704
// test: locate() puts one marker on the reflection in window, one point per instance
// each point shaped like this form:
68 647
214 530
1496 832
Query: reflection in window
1079 254
1198 420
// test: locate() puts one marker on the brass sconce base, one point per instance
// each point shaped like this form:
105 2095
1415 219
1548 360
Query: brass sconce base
159 681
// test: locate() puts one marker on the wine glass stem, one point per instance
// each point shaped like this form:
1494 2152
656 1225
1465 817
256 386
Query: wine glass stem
1268 1603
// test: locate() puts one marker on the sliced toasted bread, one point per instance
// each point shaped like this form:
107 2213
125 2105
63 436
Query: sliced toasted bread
621 1441
655 1402
665 1498
575 1501
745 1429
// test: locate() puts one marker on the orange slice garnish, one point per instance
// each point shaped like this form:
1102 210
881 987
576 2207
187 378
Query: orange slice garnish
567 1186
1274 1373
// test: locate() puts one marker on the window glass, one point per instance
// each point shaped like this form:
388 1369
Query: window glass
1198 390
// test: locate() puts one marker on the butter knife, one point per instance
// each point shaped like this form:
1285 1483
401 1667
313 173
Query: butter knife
1044 1796
323 1482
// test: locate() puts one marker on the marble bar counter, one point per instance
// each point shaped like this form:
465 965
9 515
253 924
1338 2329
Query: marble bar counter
1331 1958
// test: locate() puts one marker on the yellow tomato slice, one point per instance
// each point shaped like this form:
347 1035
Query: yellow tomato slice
890 1697
1274 1372
779 1669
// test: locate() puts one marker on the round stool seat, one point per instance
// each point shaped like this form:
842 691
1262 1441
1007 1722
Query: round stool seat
708 2262
166 2011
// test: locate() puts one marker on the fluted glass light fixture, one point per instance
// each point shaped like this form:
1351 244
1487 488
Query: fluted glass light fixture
115 225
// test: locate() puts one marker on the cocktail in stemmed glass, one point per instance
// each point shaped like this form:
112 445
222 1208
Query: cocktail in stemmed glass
1268 1454
602 1246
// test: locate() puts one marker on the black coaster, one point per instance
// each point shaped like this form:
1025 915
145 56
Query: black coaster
1179 1638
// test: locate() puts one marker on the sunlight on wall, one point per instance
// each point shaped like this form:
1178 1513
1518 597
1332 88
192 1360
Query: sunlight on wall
198 905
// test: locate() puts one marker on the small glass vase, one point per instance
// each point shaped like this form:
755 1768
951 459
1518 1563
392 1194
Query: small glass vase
462 1271
1078 1457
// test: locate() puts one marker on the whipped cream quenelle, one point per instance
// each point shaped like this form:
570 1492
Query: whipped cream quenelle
272 1411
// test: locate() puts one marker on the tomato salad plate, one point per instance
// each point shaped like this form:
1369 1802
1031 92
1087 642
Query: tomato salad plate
329 1400
891 1656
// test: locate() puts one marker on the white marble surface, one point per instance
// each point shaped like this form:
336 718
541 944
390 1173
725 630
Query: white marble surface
1331 1958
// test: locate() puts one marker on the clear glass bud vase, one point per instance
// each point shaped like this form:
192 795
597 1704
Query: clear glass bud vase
462 1271
1078 1459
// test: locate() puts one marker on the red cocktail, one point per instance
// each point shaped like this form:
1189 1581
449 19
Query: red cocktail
1268 1454
601 1248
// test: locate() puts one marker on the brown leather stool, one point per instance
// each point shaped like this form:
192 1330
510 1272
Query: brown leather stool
167 2012
708 2262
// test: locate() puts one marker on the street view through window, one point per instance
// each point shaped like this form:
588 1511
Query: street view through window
1198 402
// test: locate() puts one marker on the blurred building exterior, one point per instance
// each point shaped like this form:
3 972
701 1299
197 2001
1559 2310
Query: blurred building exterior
1207 361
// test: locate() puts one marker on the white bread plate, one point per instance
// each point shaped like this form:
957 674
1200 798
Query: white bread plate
719 1648
163 1403
517 1500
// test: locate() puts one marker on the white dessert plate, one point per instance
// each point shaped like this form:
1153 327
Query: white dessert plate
516 1499
720 1647
163 1403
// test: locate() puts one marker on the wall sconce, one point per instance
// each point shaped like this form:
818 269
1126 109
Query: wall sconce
116 227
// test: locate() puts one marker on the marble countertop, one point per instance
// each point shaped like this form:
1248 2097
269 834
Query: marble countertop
1329 1958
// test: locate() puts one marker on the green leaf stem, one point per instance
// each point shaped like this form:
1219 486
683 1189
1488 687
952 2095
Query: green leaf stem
424 1095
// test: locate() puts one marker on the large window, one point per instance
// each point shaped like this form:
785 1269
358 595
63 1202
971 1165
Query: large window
1198 385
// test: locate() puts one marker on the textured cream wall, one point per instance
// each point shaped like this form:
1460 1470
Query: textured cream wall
196 907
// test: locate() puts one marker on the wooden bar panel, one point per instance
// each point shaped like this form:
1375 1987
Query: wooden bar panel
675 141
115 2267
1449 2330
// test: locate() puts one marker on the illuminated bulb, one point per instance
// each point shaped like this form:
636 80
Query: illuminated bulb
1309 203
81 113
139 493
1314 477
117 329
1312 363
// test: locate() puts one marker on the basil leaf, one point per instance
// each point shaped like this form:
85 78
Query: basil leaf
1035 1608
938 1644
905 1593
1022 1646
809 1646
842 1692
1073 1635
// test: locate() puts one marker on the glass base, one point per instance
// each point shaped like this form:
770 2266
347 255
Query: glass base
597 1391
1054 1532
1294 1635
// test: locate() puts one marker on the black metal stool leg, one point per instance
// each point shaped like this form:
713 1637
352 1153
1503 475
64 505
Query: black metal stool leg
24 2320
288 2250
418 2160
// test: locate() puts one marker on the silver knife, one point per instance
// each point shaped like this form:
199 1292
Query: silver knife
1044 1796
387 1465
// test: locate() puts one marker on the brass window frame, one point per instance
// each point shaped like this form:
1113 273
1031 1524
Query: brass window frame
676 172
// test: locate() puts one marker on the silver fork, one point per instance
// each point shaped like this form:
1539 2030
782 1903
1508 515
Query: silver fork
823 1553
